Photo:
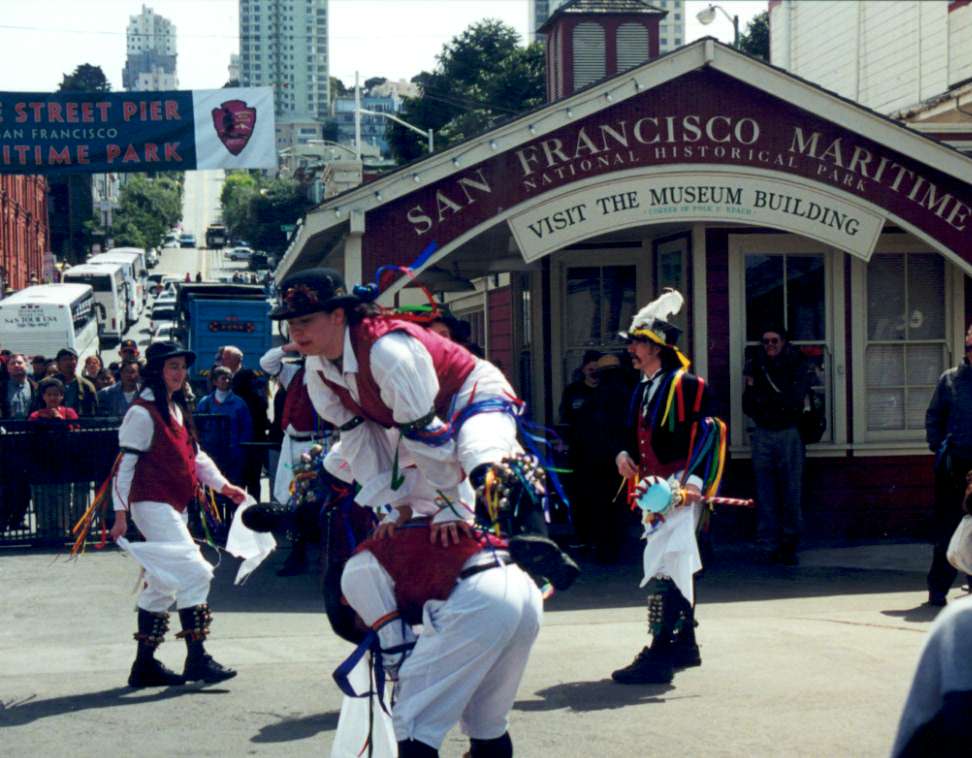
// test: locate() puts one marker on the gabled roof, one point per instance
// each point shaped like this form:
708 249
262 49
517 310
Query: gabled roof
577 7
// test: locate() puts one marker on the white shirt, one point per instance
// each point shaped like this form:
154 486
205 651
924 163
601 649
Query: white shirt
405 374
136 432
273 364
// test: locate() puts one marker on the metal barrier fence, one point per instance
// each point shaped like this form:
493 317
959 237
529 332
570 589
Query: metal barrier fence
50 471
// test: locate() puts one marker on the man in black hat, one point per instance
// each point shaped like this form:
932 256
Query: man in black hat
79 393
671 406
404 397
157 477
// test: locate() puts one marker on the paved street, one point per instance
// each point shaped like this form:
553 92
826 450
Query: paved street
810 661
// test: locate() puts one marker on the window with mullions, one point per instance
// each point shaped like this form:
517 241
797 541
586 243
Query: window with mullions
599 302
789 290
907 348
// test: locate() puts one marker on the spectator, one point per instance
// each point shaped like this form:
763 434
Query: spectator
92 365
117 399
79 393
18 392
56 505
948 429
51 370
128 350
455 329
778 380
103 380
248 385
224 444
576 397
38 365
199 276
935 720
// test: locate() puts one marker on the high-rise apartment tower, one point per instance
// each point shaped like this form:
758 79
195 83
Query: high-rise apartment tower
151 61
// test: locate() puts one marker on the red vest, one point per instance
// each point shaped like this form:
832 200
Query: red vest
298 410
166 472
421 570
452 362
648 463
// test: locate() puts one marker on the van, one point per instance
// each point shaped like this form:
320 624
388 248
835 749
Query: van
110 294
41 320
133 258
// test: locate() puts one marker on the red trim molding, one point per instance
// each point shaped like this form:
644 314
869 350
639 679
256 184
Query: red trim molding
954 5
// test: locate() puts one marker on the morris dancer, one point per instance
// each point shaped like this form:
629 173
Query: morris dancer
675 441
485 613
417 413
159 472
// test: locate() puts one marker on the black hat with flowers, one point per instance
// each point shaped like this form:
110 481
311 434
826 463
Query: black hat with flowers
310 291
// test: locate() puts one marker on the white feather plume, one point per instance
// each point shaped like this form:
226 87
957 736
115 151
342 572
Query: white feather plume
662 309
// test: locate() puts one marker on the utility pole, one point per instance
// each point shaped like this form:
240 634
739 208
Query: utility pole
357 116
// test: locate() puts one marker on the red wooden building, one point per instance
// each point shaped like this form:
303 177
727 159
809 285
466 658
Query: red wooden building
23 228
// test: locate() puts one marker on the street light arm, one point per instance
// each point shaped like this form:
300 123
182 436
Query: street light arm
734 20
397 120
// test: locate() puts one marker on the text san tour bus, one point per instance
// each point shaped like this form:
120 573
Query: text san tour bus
133 258
110 293
41 320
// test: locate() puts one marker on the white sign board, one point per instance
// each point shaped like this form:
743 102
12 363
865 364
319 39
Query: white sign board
751 199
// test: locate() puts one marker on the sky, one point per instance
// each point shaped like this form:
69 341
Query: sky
392 38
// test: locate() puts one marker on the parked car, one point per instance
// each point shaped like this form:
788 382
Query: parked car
152 257
239 254
166 297
187 240
170 243
161 314
259 262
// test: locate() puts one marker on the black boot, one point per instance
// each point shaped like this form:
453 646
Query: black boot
416 749
199 665
500 747
685 650
146 670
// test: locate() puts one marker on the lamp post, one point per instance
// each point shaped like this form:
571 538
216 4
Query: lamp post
707 15
427 134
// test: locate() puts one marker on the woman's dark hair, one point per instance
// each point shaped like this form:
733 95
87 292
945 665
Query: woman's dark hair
154 381
669 360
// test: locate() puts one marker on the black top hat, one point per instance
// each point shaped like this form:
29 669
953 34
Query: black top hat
310 291
159 352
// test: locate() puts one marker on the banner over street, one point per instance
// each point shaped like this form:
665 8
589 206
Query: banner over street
96 132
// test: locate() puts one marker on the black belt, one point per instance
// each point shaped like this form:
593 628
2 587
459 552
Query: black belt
498 559
304 437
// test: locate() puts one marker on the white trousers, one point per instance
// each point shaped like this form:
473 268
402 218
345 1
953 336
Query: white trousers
470 657
175 570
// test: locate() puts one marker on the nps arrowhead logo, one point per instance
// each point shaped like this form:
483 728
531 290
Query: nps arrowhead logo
234 121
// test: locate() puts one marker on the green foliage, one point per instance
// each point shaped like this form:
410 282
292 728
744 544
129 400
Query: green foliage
374 81
255 209
483 76
85 78
755 40
147 209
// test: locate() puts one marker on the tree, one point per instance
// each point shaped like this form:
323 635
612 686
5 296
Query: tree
374 81
482 76
147 209
85 78
238 188
755 40
337 87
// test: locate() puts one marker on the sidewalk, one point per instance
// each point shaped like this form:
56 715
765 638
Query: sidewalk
814 660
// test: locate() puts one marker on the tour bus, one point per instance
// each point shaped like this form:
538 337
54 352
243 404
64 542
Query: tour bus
42 319
133 258
110 294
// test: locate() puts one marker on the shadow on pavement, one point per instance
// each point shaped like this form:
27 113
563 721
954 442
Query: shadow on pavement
28 710
601 695
288 729
919 614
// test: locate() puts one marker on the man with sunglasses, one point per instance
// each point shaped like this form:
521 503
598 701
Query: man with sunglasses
948 429
778 380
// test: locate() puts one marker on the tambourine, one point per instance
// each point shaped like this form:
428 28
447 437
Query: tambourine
656 496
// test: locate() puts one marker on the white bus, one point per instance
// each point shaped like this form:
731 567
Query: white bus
41 320
111 294
133 258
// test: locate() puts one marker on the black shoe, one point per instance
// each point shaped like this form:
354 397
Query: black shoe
540 556
153 673
206 669
269 517
649 667
789 558
936 600
685 656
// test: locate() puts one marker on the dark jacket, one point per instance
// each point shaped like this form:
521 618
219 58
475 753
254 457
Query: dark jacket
4 406
950 412
86 402
250 387
668 444
112 402
780 386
